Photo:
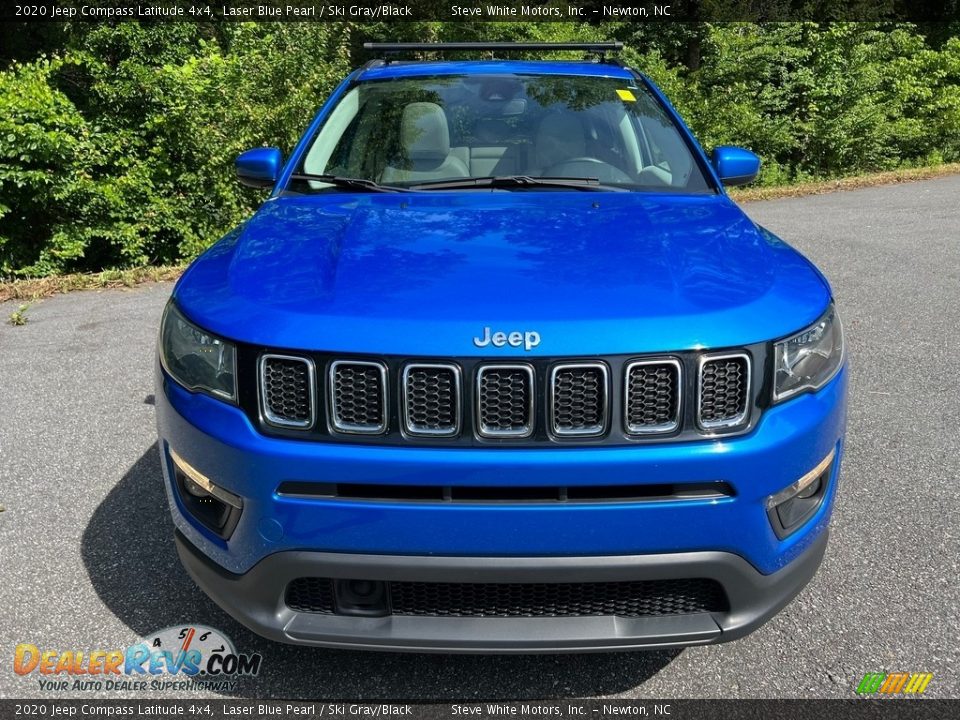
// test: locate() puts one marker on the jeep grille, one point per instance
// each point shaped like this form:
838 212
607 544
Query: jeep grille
358 397
724 391
613 400
287 391
505 400
578 399
431 397
652 396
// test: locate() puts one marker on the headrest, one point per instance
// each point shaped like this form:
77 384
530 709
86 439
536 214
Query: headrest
424 133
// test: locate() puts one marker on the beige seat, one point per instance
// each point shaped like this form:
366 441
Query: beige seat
425 145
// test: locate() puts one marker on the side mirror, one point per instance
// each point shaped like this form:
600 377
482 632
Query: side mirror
260 167
734 165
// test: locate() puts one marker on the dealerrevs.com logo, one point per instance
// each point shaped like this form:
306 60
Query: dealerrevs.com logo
175 658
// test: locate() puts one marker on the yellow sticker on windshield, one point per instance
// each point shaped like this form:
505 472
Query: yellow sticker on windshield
626 95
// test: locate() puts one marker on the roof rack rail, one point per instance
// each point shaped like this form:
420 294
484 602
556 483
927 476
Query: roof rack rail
599 48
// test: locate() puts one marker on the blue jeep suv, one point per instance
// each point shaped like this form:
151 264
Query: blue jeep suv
500 367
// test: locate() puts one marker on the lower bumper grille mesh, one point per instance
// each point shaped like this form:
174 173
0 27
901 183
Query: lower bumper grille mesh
312 595
641 598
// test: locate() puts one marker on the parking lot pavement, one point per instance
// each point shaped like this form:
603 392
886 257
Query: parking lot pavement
87 561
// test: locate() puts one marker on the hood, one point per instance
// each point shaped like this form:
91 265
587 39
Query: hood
426 273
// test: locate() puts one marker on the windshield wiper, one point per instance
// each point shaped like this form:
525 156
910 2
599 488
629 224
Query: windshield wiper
348 182
516 181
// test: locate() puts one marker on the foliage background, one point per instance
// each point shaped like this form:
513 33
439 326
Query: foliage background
117 141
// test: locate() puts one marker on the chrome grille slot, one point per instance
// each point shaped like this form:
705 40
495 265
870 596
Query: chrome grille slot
287 391
505 401
652 396
578 399
724 391
431 400
358 397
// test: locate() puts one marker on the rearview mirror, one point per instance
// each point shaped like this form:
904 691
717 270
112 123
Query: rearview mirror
260 167
734 165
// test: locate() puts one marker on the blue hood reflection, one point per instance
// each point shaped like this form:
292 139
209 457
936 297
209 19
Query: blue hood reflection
424 273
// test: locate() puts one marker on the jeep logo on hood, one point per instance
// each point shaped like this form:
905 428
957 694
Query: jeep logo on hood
528 339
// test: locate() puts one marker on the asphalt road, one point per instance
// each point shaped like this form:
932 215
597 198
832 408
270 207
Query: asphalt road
87 561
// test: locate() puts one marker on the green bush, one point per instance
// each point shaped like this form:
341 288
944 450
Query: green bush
117 144
820 101
120 152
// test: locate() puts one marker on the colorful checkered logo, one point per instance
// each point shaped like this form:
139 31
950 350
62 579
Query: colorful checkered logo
894 683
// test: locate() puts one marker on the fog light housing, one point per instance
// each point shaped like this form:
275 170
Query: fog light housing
366 598
211 505
795 504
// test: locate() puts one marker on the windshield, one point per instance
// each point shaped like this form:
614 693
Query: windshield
425 131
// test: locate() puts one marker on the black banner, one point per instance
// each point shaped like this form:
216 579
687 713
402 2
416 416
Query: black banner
591 11
856 709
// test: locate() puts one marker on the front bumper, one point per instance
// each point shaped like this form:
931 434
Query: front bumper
282 537
256 599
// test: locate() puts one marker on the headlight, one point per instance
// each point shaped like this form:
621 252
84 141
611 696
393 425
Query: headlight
196 359
809 359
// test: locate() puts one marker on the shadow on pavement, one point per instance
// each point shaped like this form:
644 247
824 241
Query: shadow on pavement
128 551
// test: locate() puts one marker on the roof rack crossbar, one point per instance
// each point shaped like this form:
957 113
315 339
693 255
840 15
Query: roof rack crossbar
600 48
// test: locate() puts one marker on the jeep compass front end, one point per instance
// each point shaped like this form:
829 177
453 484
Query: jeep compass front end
500 367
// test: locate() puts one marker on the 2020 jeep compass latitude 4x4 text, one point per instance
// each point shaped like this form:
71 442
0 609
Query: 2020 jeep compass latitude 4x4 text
499 367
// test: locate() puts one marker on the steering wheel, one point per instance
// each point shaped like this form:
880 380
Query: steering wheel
588 167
